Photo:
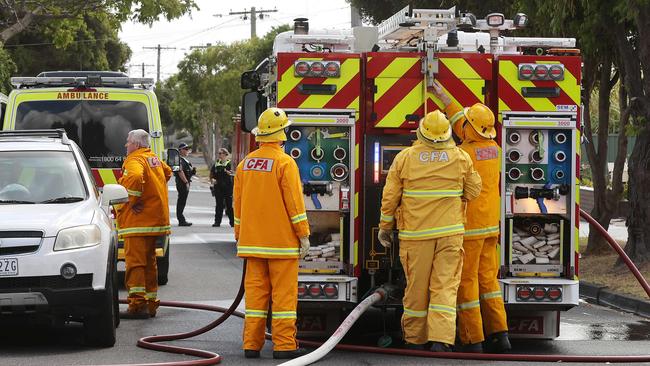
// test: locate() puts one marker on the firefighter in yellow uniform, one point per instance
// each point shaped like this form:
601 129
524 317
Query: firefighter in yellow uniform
480 304
143 219
272 232
425 191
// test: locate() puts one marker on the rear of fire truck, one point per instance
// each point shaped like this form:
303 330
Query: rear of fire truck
356 97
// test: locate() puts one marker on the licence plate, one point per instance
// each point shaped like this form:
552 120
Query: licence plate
8 266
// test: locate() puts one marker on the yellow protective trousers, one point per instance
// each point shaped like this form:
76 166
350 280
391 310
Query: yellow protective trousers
480 303
275 280
432 270
141 275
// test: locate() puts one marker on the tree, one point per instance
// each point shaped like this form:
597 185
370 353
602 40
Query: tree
95 46
206 92
7 68
17 16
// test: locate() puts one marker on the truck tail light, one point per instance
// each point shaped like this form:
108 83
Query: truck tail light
556 72
539 293
331 290
554 293
302 290
541 71
526 72
332 70
315 290
317 69
524 292
301 68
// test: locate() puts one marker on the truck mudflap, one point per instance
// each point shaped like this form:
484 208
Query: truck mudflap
534 324
327 288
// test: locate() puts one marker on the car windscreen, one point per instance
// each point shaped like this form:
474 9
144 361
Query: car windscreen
38 176
98 127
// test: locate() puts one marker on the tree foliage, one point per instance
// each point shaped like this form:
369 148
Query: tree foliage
205 94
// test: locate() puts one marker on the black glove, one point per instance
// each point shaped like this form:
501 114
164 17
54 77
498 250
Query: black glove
212 190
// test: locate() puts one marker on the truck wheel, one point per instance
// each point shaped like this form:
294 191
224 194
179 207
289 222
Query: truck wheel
99 328
163 268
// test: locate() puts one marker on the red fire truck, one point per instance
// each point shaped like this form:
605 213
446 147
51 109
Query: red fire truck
356 96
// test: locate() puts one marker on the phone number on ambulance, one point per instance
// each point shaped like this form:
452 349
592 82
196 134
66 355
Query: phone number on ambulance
82 95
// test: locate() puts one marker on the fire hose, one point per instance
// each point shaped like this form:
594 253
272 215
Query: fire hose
323 348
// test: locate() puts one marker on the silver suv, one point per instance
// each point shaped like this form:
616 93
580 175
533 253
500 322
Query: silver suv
58 243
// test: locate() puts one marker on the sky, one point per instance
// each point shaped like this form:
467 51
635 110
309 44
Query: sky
212 23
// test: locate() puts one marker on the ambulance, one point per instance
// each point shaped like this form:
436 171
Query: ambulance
96 109
355 98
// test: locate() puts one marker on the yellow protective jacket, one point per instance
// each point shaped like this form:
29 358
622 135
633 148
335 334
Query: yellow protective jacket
269 205
483 212
424 191
145 178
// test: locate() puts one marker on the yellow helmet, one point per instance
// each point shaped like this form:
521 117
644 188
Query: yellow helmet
271 125
482 119
434 127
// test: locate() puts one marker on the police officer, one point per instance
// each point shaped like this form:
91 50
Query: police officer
425 191
480 304
272 232
221 179
141 220
183 181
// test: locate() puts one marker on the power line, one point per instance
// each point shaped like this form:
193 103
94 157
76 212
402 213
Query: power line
159 48
254 13
143 66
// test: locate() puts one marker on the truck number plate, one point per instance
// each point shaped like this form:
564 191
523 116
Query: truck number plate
8 266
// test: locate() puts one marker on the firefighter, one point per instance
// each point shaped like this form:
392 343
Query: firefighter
141 221
183 182
425 191
480 305
221 179
272 232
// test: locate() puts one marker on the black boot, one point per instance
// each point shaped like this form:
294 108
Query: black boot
440 347
497 343
413 346
285 355
470 348
251 353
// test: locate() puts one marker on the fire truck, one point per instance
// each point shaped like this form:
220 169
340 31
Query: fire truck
355 98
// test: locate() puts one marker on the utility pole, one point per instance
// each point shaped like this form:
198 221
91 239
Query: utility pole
253 13
158 64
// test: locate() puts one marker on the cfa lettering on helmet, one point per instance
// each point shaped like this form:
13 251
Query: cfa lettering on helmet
258 164
433 156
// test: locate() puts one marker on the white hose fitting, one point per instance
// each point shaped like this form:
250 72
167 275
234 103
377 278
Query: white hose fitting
326 347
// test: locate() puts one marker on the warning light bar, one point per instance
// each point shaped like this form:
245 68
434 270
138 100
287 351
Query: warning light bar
96 81
553 72
375 175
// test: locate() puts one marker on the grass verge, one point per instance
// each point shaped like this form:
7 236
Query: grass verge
602 270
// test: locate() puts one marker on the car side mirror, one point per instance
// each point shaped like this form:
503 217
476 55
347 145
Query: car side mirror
253 104
114 194
174 159
250 80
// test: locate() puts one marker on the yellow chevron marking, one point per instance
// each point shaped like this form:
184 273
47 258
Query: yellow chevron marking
355 104
288 81
356 156
107 176
510 72
569 85
410 103
355 260
503 106
349 68
356 205
395 70
460 68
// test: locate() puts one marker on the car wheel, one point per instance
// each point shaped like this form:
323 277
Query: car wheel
99 328
163 268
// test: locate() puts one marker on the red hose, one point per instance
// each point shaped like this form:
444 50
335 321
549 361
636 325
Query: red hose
210 358
621 253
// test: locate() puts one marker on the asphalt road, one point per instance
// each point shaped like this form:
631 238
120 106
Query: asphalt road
204 269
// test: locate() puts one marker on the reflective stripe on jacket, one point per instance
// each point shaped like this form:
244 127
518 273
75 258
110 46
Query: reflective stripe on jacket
483 212
269 205
423 191
145 178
